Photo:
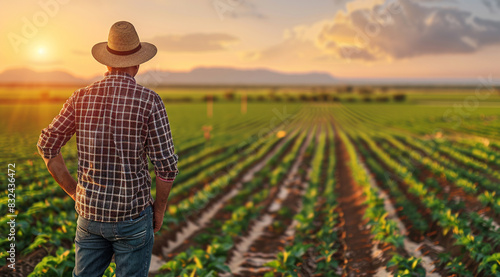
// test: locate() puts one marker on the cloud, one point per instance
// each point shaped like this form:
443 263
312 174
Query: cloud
289 48
236 9
246 9
298 44
406 29
389 30
198 42
492 5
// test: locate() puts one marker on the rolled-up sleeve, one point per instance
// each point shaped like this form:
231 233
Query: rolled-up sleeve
159 143
59 132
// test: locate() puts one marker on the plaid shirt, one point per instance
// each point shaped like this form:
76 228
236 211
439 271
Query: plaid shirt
117 123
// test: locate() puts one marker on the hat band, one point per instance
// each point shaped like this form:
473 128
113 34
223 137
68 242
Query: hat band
123 53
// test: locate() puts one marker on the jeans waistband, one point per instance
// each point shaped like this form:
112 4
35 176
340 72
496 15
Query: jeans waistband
143 212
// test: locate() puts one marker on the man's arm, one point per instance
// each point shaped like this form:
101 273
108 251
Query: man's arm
60 172
160 205
50 142
160 149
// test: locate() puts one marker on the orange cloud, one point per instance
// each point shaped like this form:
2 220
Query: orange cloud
194 42
406 28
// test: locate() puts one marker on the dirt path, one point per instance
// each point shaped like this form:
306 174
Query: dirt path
357 238
264 241
171 241
411 248
434 242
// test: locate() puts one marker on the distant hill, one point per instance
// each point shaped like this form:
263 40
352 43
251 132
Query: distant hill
232 76
28 77
225 76
197 76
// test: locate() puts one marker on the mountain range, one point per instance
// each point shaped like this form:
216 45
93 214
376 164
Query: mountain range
198 76
225 76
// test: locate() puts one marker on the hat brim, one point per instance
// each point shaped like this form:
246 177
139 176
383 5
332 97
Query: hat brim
102 55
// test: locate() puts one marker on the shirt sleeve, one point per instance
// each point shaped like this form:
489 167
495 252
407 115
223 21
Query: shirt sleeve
60 130
159 143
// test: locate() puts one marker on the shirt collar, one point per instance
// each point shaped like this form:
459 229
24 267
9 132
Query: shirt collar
118 74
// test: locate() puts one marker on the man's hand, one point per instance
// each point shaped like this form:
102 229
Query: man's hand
60 172
160 204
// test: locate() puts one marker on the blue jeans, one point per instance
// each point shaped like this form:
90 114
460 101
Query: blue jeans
131 242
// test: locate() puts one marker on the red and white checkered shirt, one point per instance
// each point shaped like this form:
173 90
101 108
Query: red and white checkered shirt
118 123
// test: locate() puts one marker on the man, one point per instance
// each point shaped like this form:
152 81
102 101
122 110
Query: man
118 124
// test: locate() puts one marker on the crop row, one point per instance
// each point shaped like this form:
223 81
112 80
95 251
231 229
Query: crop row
212 258
315 228
474 246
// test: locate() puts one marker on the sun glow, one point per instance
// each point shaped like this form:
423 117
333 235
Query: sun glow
41 51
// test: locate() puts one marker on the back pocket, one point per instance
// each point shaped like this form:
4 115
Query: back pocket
133 233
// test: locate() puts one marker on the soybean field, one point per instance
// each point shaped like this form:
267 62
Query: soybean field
289 187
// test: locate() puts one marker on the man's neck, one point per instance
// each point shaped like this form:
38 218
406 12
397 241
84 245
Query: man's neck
132 71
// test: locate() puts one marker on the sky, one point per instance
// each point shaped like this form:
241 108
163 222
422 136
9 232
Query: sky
346 38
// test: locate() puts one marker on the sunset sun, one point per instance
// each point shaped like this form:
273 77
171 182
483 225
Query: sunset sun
41 51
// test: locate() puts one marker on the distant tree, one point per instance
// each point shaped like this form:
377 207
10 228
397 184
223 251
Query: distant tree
335 99
399 97
209 96
349 89
365 91
324 96
351 99
367 99
382 99
229 95
186 99
303 97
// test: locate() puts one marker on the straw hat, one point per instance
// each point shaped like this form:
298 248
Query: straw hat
123 48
